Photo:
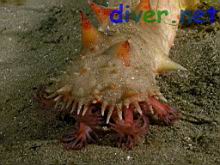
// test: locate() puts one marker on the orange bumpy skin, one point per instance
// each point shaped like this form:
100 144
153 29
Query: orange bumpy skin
113 81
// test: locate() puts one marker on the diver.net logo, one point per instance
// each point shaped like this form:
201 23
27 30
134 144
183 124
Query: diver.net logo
123 15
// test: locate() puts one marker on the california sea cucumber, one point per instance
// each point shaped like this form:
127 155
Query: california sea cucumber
113 81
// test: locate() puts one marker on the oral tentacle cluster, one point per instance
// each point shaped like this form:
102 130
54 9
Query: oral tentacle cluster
116 72
131 129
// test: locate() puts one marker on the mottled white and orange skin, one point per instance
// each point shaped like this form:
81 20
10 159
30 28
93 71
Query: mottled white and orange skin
118 69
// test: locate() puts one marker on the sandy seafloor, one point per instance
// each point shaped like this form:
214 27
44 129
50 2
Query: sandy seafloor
37 41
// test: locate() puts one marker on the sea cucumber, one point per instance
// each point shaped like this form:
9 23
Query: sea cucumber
112 82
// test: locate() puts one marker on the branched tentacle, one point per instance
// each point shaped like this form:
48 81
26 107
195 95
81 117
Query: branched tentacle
79 138
84 132
163 112
130 130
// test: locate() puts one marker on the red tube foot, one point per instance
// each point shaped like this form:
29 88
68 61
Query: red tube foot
92 117
130 131
40 97
163 112
79 138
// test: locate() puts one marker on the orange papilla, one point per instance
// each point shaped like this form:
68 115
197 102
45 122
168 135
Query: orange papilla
144 5
123 53
101 12
86 24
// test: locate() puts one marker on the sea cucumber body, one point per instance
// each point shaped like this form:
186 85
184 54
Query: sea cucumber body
114 78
